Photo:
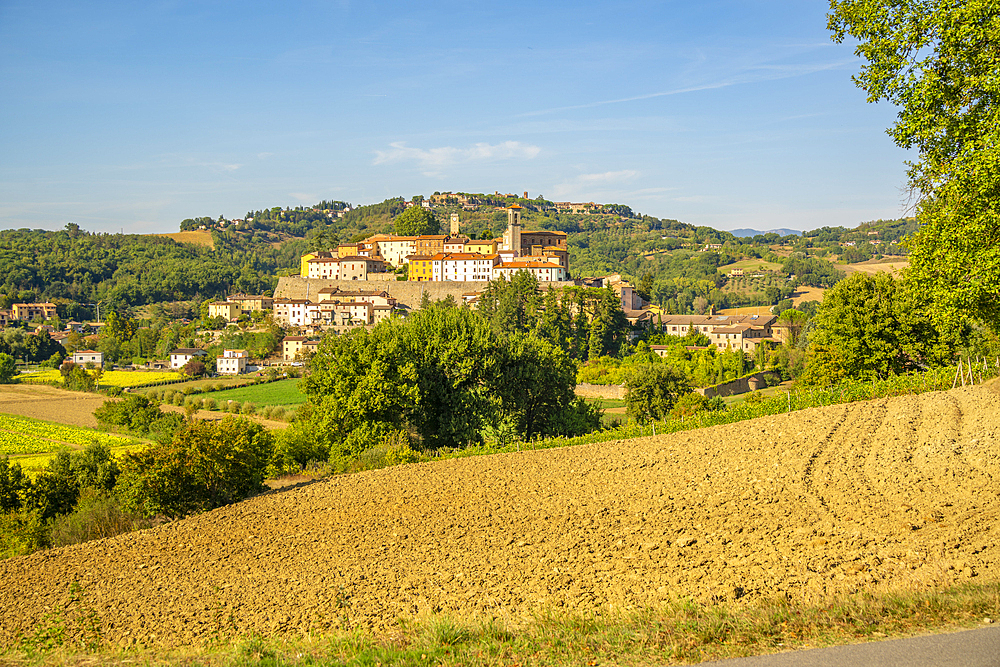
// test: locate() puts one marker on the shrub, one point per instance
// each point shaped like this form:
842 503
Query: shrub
248 408
97 515
207 465
178 399
277 412
208 403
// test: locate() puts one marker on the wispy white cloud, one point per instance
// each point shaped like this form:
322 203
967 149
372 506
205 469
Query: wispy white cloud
304 196
764 72
449 155
608 176
591 186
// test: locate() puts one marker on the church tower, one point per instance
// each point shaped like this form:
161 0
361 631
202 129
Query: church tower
454 224
512 237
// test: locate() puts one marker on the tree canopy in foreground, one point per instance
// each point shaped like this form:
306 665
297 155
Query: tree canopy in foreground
939 61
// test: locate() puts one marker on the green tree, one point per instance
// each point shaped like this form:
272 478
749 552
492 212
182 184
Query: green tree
872 324
7 368
416 221
119 327
651 391
938 61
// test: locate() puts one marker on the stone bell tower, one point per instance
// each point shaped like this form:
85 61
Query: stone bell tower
512 237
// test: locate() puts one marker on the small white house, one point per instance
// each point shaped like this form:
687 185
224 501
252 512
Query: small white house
182 355
232 362
84 357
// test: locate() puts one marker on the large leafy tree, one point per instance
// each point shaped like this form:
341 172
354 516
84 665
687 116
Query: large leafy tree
872 324
416 221
443 372
939 61
651 391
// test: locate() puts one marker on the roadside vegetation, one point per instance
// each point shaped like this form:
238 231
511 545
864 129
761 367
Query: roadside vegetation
680 633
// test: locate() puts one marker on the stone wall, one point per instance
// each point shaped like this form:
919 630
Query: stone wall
408 294
742 385
600 390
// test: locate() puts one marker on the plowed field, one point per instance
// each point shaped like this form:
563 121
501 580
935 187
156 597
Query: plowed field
897 492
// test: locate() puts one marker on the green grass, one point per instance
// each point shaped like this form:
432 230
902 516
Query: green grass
283 392
679 633
750 265
607 403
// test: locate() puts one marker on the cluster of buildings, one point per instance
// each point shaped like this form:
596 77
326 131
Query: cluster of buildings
25 312
446 257
726 332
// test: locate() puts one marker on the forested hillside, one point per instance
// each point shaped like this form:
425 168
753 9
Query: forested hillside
119 270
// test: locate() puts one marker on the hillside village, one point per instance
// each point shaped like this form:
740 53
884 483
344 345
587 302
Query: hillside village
362 282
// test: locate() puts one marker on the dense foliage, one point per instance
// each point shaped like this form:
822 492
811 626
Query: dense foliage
873 325
938 61
75 267
444 373
206 465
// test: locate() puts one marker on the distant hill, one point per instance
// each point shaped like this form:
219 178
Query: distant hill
748 233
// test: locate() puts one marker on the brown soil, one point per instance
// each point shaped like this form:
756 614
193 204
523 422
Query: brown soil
50 403
894 492
892 265
199 237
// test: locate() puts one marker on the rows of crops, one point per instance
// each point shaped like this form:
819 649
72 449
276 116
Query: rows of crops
20 435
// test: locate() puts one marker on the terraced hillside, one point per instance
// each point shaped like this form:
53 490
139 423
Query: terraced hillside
894 492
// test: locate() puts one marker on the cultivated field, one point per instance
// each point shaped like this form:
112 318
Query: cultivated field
199 237
896 493
890 264
283 392
50 403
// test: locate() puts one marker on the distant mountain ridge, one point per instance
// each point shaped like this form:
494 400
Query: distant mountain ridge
748 233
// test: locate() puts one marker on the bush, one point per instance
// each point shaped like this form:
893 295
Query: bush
97 515
652 391
277 412
207 465
248 408
178 399
209 403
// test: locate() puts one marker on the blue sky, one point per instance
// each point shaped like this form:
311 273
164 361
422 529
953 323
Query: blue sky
136 115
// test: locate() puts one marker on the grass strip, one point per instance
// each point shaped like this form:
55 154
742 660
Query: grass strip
680 633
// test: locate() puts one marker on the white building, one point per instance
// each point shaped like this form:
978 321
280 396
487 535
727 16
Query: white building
543 271
232 362
463 267
394 249
182 355
83 357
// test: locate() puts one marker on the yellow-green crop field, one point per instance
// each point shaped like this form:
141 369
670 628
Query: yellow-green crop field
36 463
20 435
123 379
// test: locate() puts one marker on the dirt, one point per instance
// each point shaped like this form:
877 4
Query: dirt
893 265
897 493
50 404
198 237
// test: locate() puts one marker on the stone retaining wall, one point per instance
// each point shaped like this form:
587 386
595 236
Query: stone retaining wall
408 294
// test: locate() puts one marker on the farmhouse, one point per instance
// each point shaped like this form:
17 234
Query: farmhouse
84 357
182 355
232 362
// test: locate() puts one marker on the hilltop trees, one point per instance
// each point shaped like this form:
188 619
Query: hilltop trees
938 61
416 221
